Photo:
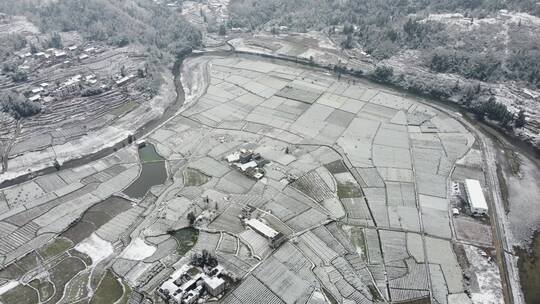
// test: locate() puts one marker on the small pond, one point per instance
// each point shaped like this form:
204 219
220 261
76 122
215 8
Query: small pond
153 172
186 239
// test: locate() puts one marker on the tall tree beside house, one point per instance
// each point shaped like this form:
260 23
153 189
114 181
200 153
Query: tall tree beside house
520 120
222 30
56 41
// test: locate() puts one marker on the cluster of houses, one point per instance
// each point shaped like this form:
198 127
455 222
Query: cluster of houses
248 162
46 92
53 56
190 284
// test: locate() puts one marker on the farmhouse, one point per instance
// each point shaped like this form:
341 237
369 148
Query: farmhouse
183 288
274 238
475 196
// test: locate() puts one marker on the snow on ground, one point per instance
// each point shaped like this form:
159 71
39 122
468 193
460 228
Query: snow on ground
95 247
323 40
311 53
138 250
458 298
524 18
523 193
473 159
487 276
7 287
194 78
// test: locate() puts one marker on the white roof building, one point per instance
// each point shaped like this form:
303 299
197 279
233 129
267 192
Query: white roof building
193 295
177 291
214 285
125 79
262 228
59 54
47 99
246 166
475 196
233 157
37 90
35 97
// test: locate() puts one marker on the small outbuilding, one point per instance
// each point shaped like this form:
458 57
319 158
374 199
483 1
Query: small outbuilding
475 196
262 228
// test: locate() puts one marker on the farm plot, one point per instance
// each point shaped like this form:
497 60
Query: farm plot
312 185
440 252
228 244
193 177
251 290
228 220
283 282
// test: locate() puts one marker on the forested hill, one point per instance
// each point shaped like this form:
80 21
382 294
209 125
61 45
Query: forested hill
117 22
384 28
319 13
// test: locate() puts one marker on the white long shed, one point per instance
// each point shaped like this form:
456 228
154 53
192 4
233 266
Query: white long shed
475 196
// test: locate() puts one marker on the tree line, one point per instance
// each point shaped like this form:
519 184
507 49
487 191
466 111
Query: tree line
17 105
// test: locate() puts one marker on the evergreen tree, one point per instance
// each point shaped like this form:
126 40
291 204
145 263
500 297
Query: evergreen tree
520 120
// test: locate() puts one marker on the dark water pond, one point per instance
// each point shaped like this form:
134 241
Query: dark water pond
186 239
153 172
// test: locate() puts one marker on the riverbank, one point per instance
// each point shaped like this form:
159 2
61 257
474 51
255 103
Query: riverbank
529 267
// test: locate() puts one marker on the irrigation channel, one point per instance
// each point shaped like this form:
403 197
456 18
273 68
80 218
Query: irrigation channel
154 171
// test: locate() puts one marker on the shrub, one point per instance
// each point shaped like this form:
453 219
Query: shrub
383 73
17 106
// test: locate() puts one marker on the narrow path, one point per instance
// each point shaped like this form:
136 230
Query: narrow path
421 222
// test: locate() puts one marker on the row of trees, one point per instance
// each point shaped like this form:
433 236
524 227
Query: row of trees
471 96
485 67
522 65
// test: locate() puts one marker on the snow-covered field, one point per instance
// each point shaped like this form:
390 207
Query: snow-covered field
138 250
487 276
96 248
